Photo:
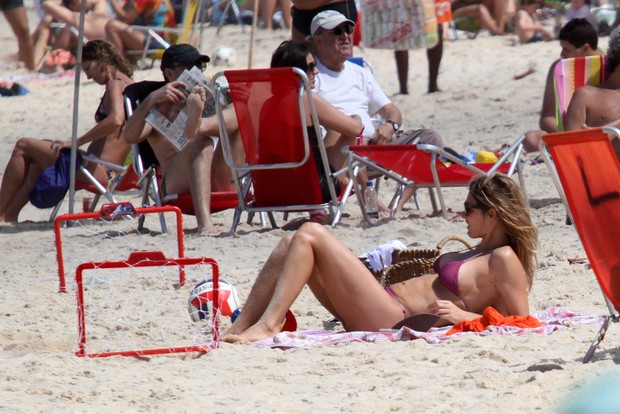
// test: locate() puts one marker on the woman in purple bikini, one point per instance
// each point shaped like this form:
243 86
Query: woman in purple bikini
498 272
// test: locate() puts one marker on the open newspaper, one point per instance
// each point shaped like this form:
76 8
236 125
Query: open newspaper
170 119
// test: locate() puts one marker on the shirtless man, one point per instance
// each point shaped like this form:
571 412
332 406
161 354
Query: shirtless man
598 106
199 167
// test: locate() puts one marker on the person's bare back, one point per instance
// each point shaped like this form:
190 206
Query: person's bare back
593 106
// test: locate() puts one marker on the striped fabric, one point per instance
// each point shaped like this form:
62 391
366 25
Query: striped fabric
573 73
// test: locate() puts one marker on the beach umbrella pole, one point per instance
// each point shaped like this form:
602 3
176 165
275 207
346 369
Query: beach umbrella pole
76 104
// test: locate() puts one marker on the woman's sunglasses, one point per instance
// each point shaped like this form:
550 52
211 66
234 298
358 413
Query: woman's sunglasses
348 29
469 208
310 67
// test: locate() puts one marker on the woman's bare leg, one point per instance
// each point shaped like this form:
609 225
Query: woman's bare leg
340 279
41 38
28 154
262 290
18 20
123 37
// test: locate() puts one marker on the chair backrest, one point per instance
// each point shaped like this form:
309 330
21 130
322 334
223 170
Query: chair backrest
134 94
571 74
286 157
589 172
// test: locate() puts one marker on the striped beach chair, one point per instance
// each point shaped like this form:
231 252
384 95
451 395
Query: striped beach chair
571 74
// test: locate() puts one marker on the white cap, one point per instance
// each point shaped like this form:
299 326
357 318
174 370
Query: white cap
328 19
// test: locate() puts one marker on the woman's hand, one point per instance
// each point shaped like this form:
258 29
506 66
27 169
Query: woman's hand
58 145
447 310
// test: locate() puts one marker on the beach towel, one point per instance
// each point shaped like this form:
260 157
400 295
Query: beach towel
399 24
551 320
53 183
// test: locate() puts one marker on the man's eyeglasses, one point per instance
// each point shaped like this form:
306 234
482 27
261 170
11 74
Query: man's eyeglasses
469 208
348 29
200 65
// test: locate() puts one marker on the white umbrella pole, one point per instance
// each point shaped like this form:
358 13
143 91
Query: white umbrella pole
76 104
252 31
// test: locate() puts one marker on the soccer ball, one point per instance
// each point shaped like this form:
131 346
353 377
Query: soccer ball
200 301
225 55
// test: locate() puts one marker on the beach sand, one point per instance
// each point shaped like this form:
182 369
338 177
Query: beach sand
481 106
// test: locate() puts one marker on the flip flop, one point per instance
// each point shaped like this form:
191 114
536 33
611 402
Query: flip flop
421 322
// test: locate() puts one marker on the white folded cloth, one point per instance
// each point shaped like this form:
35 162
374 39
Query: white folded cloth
381 256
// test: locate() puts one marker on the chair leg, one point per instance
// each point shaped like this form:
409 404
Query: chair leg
431 194
597 339
235 222
55 211
272 220
398 194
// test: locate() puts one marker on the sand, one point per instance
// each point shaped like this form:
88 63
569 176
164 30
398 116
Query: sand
481 106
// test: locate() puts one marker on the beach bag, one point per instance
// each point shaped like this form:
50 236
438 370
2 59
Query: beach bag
399 24
413 262
53 183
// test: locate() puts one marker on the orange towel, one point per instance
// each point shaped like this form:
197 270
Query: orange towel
492 317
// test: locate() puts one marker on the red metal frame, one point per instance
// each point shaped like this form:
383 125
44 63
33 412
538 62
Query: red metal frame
104 212
146 259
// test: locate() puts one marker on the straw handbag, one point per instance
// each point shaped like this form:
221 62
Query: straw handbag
410 263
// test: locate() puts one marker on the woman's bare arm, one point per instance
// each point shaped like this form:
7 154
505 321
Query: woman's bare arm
511 281
332 118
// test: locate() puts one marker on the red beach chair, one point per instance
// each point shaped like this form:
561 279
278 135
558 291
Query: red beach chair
285 157
421 166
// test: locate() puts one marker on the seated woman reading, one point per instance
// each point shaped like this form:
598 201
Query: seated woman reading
498 272
103 64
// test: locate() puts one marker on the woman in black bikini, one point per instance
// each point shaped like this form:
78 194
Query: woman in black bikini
498 272
103 64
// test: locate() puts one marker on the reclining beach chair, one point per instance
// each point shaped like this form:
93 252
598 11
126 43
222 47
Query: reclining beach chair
423 166
285 158
165 36
147 165
124 179
585 166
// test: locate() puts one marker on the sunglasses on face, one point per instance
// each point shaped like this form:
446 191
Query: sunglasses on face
310 67
348 29
469 208
200 65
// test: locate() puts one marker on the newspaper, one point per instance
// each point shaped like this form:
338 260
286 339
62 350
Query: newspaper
170 119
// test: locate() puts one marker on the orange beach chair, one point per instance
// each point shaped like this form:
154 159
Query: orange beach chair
589 174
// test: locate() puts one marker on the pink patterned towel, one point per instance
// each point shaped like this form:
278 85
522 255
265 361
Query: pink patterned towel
552 319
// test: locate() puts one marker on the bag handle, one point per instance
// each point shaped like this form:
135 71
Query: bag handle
447 239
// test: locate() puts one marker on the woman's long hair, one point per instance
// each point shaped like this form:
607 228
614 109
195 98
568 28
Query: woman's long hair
103 52
500 192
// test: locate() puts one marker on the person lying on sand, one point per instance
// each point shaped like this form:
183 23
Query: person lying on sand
498 272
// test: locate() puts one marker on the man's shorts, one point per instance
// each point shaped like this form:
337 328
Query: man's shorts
11 4
302 19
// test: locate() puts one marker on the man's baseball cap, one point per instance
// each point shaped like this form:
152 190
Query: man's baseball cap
182 54
328 20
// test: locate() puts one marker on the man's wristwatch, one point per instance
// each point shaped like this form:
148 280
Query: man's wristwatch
394 124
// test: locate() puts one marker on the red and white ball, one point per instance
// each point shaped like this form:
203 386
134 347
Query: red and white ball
200 301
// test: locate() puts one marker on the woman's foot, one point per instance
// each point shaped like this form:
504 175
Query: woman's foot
254 333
